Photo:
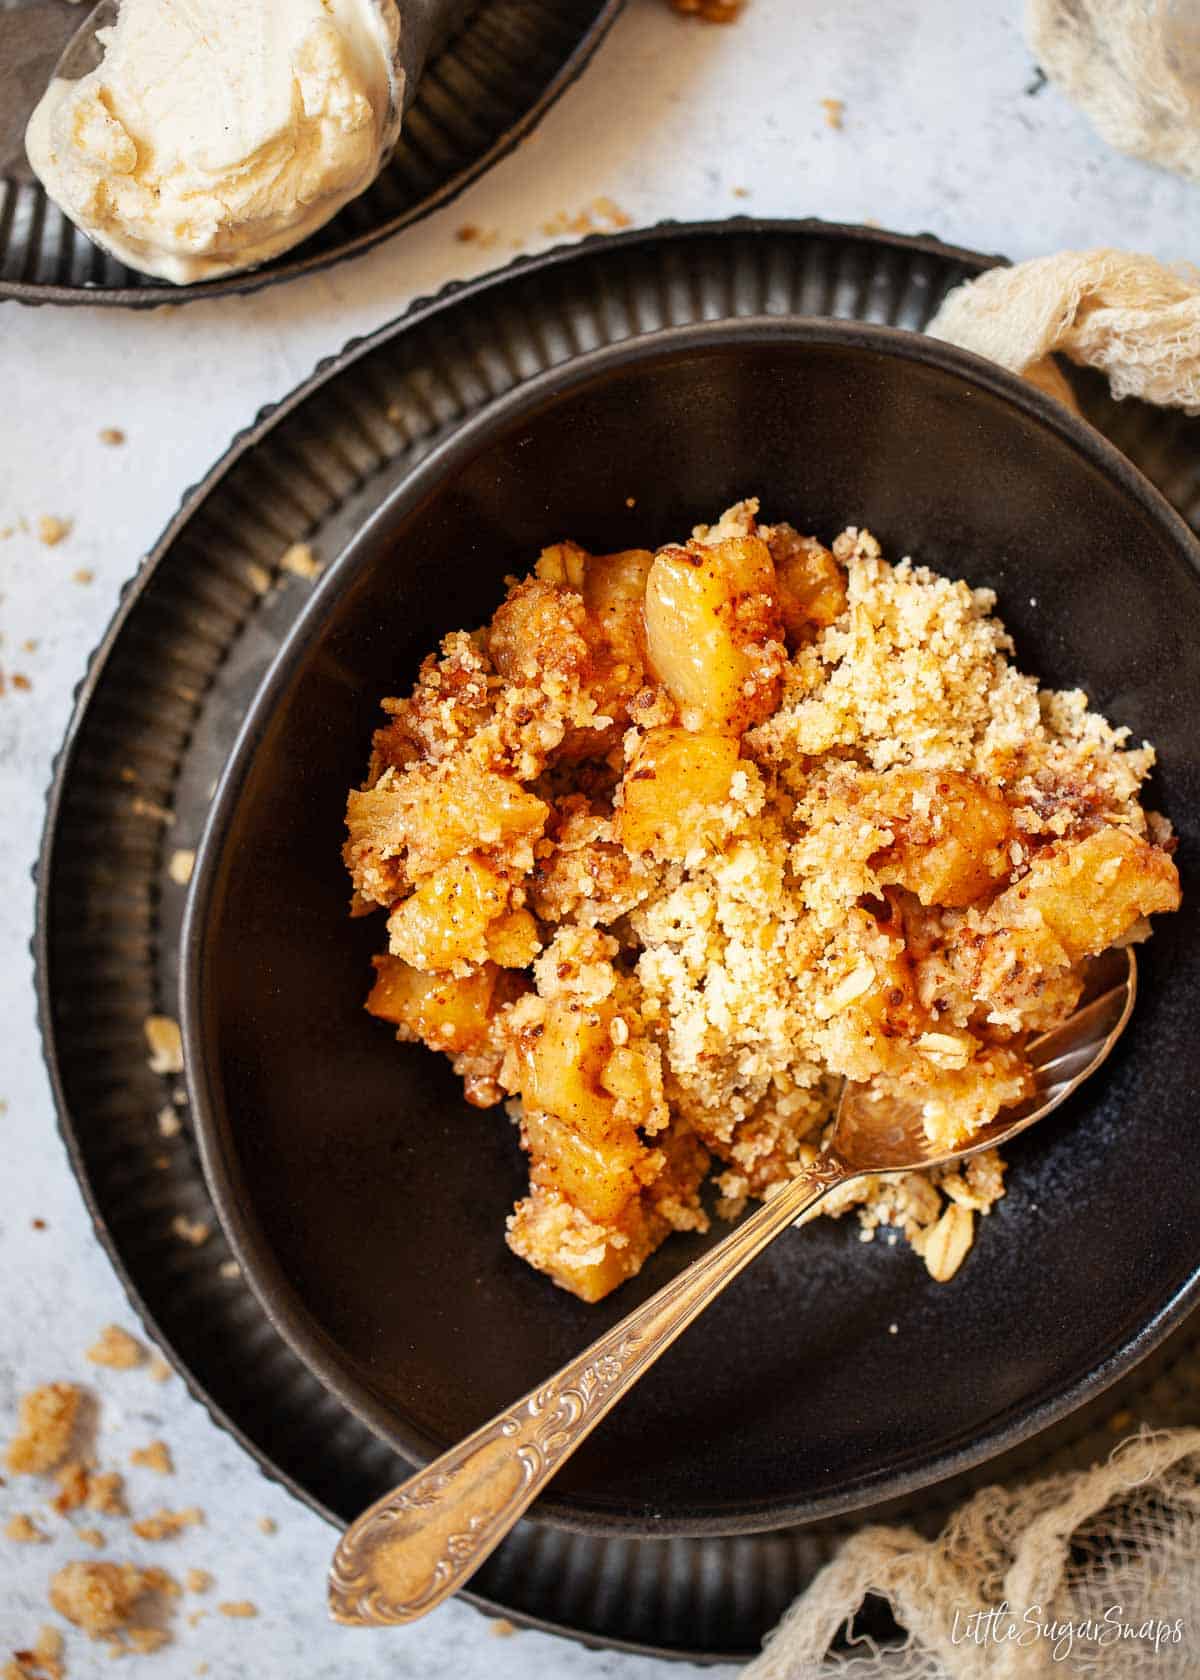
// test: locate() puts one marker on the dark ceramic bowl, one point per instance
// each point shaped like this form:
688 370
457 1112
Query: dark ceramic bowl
366 1200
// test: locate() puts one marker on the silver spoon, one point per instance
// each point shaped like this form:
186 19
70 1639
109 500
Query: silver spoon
422 1542
44 39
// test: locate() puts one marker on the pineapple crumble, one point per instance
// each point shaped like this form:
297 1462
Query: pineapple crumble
682 840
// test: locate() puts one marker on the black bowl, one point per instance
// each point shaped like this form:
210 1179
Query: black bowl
366 1200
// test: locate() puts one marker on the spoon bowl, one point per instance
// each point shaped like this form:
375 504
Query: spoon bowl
422 1542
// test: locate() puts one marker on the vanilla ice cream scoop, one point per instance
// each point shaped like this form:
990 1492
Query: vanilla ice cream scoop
215 134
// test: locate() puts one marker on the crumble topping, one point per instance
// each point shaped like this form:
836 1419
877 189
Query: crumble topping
44 1428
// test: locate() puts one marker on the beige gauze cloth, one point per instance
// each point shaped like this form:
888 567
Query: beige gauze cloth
1132 66
1081 1573
1135 319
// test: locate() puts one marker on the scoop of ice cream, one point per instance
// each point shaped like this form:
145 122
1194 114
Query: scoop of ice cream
217 133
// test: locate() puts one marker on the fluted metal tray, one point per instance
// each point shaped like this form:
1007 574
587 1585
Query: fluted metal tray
156 714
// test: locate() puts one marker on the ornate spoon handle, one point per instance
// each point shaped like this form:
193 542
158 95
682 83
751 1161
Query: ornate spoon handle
419 1544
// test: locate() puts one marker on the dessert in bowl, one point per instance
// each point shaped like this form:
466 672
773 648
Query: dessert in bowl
678 842
366 1198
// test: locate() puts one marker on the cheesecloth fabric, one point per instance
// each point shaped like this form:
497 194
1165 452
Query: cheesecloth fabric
1135 319
1080 1573
1133 67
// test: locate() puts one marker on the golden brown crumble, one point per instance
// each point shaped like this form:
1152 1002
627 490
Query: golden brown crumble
238 1609
835 112
193 1231
51 530
156 1456
165 1042
197 1580
300 560
681 840
180 865
710 11
23 1531
117 1349
43 1662
160 1371
113 436
83 575
44 1428
165 1525
91 1537
100 1597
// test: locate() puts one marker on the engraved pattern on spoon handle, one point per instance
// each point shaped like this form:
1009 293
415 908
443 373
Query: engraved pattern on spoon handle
417 1545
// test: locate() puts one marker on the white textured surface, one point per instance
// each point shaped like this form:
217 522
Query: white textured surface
940 134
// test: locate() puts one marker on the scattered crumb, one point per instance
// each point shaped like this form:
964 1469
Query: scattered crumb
180 866
239 1609
38 1224
197 1580
21 681
22 1529
630 501
299 558
162 1162
258 577
502 1628
44 1426
710 11
150 808
741 192
603 214
169 1123
144 1640
1119 1422
113 436
43 1662
156 1456
91 1537
195 1617
105 1494
470 234
117 1349
201 1668
52 530
835 111
82 574
230 1269
29 645
72 1482
99 1597
166 1044
193 1231
160 1371
267 1525
165 1525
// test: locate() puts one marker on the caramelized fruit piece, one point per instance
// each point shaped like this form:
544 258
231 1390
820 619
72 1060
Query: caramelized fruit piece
673 791
713 632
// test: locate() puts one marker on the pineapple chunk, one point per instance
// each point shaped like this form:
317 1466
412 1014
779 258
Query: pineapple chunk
673 790
443 925
811 584
442 1012
713 632
1087 895
952 834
